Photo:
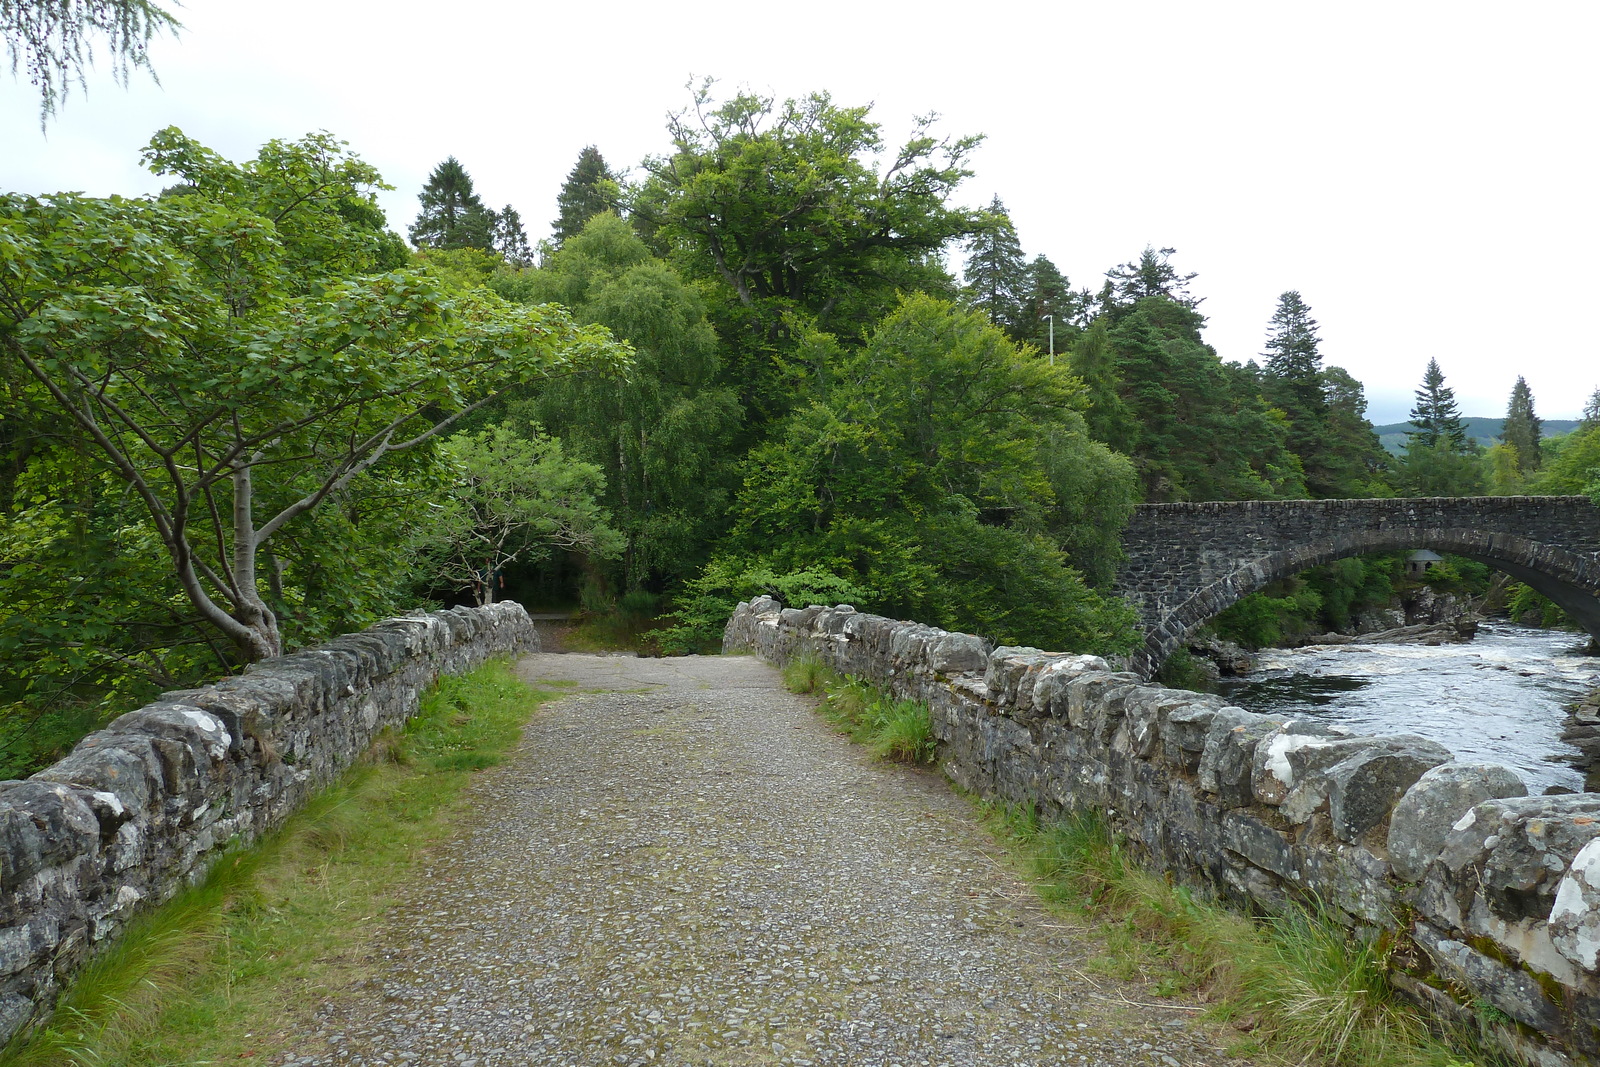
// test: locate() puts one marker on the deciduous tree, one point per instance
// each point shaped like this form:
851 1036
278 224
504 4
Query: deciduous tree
512 497
226 354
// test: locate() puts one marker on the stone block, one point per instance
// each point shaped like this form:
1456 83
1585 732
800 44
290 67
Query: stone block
1422 819
1517 994
1272 771
1363 788
955 653
1229 755
1513 853
1575 915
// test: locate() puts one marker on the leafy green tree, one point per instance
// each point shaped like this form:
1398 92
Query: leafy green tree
1294 364
226 355
996 273
452 216
1353 463
780 208
661 435
590 189
1094 361
1435 419
1576 458
1439 469
928 473
54 40
1522 428
512 497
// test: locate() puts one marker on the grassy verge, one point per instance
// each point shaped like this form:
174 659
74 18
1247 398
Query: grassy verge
233 968
1296 988
894 730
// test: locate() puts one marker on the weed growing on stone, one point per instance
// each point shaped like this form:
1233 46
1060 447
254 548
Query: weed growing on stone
228 969
1295 985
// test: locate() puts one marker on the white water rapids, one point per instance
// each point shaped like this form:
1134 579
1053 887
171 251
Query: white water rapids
1500 698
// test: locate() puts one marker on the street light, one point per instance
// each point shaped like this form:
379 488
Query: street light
1052 319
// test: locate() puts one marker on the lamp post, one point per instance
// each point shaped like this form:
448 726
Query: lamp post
1052 319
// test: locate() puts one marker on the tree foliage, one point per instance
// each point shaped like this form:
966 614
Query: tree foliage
590 189
783 208
511 497
1435 418
1523 428
54 40
925 474
996 274
661 434
226 354
452 216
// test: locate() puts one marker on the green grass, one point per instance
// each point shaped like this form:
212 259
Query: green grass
232 968
1297 987
898 731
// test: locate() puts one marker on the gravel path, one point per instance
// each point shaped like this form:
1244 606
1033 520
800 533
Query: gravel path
683 865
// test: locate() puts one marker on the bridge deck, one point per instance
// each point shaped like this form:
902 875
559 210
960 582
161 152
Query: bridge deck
691 868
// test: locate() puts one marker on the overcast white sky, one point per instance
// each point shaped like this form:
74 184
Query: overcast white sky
1423 173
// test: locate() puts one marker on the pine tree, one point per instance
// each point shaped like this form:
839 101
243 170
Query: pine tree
1294 365
590 188
452 216
1050 293
510 239
996 274
1152 275
1522 427
1435 418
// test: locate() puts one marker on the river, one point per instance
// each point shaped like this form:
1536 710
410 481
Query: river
1500 698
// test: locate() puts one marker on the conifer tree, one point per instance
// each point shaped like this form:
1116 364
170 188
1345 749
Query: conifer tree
588 191
1151 275
1050 293
996 273
1294 365
1522 427
452 216
510 239
1435 418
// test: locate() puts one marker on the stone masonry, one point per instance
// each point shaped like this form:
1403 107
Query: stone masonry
1187 562
1492 896
143 807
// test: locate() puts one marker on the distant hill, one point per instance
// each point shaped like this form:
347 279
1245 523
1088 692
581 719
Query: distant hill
1485 431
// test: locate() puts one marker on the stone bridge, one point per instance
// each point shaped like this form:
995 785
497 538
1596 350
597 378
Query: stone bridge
1187 562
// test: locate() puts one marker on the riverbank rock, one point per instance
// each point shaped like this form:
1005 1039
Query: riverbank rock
1230 659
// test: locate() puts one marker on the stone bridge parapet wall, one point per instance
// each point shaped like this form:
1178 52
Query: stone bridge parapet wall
142 808
1494 896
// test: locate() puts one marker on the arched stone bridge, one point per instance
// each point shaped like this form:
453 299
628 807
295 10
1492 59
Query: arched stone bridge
1187 562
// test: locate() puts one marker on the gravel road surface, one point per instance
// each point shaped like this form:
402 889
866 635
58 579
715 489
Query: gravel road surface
683 865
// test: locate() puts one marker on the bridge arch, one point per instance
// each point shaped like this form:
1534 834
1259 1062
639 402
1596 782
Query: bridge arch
1188 562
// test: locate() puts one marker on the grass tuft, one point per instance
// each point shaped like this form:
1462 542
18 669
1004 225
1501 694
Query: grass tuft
898 731
1296 986
807 674
230 969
